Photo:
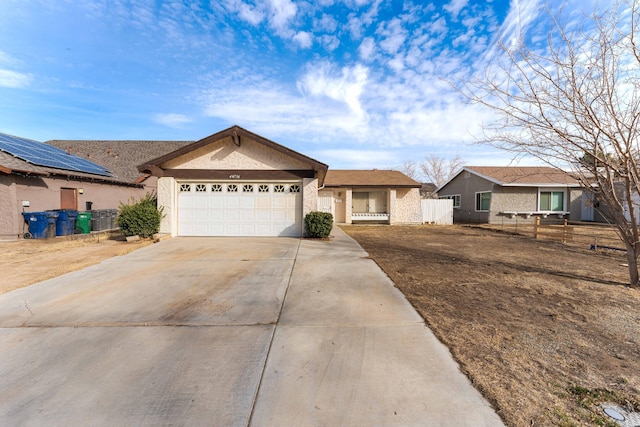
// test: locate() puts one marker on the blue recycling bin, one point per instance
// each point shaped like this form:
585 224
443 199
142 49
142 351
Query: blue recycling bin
66 221
37 222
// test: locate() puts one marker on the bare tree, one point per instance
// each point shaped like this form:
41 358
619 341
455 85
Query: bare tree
409 168
439 170
573 101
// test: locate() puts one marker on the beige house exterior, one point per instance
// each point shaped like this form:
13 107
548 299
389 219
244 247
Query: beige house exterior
368 196
497 195
235 183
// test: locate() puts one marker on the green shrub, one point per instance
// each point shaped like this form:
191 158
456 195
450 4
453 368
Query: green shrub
318 224
141 218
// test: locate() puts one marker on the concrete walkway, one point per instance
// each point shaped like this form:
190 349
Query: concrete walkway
228 332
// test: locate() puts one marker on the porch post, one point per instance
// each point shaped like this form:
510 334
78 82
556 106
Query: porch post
348 205
391 205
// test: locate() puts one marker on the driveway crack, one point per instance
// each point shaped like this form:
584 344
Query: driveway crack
26 305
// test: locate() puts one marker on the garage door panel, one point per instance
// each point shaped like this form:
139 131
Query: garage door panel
270 210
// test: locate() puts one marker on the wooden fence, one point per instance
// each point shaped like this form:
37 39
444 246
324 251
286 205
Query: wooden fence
562 231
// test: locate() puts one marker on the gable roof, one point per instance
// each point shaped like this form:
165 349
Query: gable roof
369 178
122 157
538 176
520 176
236 133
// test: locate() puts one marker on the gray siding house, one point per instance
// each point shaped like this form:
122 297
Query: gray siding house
500 195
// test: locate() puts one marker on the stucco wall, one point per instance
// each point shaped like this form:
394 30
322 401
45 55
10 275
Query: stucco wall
466 185
518 199
167 199
224 154
10 224
575 204
407 206
44 194
309 195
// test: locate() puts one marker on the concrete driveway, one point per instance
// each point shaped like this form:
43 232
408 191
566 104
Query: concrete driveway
228 332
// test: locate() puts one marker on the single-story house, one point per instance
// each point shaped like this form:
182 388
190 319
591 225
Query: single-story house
232 183
484 194
35 177
235 183
365 196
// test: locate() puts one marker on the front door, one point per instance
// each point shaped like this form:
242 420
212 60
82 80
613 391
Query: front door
68 198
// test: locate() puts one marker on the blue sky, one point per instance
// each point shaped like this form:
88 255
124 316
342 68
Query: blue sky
352 83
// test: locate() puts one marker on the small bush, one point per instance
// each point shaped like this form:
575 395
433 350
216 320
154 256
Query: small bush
141 218
319 224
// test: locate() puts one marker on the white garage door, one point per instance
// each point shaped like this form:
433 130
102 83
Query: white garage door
240 209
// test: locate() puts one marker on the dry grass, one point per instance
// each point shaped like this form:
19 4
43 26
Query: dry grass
545 331
25 262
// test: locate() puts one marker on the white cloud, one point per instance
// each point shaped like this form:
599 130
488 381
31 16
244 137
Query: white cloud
393 36
330 42
304 39
456 6
250 14
281 13
367 49
14 79
344 85
521 15
326 23
173 120
358 158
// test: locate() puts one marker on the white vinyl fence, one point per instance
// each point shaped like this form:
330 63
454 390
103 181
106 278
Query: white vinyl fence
437 211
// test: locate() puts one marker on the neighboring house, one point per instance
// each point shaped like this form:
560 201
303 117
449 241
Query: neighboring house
509 194
35 177
235 183
357 196
428 190
121 157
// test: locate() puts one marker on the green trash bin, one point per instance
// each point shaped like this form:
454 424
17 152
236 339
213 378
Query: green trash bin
83 223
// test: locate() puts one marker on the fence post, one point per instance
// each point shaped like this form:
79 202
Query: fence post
536 226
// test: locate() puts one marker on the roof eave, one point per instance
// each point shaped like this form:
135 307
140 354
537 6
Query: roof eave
153 165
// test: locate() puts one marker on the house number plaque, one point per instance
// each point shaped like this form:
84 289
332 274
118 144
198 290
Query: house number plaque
234 176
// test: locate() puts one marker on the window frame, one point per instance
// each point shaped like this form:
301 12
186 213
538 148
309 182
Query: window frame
551 192
479 200
454 197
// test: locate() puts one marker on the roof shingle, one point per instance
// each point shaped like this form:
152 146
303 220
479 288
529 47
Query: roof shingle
524 175
121 157
369 178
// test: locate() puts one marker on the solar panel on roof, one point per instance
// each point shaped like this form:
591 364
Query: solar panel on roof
42 154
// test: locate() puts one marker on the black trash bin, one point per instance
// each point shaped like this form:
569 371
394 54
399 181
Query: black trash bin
52 219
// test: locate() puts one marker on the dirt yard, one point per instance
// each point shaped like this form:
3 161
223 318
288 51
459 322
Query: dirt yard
24 262
545 331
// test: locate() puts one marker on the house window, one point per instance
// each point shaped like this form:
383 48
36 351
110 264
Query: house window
454 197
278 188
552 201
294 188
216 188
263 188
483 200
369 202
247 188
185 187
201 188
232 188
